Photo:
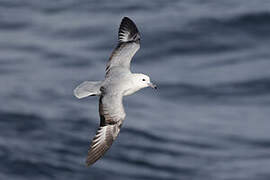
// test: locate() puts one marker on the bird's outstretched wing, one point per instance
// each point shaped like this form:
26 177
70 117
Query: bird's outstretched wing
112 114
128 45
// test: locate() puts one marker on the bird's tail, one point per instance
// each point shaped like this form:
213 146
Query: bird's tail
88 88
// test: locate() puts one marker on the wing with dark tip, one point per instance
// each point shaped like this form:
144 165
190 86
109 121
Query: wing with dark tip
128 32
128 45
112 114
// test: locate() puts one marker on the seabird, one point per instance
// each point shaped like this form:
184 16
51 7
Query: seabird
119 81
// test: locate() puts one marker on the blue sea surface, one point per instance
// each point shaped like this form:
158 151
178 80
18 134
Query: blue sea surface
209 119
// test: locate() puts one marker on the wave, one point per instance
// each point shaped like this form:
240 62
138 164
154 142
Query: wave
206 36
253 23
249 88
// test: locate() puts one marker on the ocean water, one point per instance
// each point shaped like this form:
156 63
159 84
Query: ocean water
209 119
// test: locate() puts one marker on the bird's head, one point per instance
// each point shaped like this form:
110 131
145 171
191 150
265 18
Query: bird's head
143 81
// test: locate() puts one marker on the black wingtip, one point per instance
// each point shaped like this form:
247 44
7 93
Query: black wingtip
128 32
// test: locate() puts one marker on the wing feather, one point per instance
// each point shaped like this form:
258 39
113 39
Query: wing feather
112 115
128 45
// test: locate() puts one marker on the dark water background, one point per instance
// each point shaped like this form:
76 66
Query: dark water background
209 120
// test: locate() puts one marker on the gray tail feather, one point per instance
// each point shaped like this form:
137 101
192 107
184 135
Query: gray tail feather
88 88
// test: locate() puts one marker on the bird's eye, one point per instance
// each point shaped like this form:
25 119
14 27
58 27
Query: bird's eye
143 79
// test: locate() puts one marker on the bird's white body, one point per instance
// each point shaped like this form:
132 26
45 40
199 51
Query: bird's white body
128 83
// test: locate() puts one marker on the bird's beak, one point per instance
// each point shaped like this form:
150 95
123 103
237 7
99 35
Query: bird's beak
152 85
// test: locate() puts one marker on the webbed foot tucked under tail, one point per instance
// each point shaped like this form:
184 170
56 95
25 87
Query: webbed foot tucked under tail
88 88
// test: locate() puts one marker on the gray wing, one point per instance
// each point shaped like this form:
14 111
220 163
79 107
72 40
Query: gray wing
112 114
128 45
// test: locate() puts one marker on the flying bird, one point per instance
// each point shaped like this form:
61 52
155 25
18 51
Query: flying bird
119 81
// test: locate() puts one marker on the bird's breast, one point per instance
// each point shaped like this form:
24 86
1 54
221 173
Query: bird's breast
130 91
